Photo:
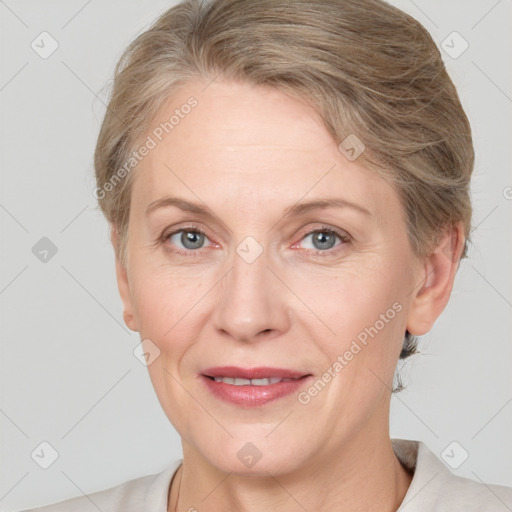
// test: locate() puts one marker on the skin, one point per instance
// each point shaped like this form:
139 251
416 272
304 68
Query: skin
248 153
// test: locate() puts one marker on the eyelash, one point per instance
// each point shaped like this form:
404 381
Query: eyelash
343 236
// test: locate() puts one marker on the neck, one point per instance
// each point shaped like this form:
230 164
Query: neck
366 475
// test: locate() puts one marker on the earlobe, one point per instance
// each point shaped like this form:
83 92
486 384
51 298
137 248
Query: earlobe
123 283
435 282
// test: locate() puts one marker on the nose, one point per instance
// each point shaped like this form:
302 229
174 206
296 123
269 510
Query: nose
253 303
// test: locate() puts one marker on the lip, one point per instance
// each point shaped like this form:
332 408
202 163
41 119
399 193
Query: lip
248 396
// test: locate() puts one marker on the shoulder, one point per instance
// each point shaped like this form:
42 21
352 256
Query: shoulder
434 487
147 492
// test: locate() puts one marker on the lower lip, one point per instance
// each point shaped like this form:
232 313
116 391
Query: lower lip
253 396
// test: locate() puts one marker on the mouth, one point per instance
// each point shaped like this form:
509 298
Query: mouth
252 387
249 382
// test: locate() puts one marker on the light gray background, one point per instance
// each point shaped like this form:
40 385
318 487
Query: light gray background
68 373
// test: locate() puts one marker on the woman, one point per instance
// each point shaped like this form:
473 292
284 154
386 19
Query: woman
287 185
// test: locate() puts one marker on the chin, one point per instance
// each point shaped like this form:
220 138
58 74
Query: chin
257 455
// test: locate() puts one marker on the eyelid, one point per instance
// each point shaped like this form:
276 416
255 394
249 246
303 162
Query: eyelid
167 233
324 227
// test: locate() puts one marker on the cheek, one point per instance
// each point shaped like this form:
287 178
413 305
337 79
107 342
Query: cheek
167 311
165 299
359 329
366 312
351 300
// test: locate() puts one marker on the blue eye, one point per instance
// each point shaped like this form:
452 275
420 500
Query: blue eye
191 239
323 240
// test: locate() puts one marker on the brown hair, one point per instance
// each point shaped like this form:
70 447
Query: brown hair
369 69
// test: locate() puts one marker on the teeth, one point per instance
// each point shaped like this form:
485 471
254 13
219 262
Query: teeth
250 382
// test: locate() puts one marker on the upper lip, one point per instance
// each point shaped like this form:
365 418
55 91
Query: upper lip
259 372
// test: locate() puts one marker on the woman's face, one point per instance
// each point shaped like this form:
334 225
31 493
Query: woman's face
323 292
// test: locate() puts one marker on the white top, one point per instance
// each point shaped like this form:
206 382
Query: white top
433 488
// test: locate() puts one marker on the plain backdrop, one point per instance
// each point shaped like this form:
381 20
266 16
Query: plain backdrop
68 374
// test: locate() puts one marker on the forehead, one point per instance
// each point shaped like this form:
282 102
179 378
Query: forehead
247 115
253 143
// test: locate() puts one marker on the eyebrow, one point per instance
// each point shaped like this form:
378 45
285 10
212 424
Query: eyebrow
294 210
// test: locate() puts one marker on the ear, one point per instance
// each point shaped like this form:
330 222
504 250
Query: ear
123 283
435 277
